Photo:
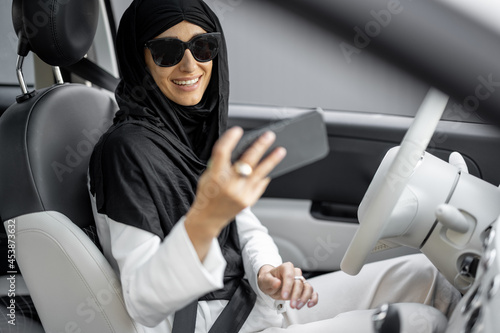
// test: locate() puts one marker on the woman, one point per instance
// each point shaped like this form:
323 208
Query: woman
178 232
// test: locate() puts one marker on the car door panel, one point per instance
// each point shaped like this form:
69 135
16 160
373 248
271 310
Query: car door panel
314 245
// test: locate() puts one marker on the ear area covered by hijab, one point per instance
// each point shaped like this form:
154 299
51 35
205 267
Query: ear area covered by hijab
195 127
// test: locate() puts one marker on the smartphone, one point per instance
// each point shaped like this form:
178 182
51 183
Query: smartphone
304 137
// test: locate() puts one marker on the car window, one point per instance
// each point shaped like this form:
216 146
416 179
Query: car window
8 51
278 59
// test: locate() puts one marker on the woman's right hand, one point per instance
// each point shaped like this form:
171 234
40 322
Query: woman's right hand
222 193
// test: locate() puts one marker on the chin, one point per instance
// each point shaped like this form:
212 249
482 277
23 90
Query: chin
182 100
187 101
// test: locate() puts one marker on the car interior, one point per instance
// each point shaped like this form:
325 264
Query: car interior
399 185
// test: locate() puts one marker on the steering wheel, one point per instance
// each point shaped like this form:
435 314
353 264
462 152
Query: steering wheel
388 184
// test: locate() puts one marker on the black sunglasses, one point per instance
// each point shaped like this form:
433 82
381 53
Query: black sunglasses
169 51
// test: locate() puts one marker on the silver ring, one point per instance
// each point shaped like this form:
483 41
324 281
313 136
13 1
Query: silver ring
301 278
243 169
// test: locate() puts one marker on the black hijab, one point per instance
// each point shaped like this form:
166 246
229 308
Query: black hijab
145 169
196 127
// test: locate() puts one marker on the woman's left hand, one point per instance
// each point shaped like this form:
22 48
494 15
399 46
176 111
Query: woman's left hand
283 283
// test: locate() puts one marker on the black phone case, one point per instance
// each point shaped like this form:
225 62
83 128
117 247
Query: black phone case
304 137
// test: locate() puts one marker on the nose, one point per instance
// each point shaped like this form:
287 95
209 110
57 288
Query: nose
188 63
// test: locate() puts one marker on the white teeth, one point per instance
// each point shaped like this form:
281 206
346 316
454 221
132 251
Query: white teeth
186 83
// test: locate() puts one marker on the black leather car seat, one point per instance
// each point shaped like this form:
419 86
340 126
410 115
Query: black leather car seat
46 139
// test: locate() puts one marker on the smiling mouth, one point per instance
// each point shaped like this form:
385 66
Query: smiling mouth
186 83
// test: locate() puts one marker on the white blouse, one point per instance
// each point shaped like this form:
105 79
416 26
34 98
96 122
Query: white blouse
161 277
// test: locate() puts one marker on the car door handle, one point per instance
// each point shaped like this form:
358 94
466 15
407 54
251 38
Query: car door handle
335 212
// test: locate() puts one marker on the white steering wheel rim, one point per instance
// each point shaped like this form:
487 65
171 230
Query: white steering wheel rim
395 180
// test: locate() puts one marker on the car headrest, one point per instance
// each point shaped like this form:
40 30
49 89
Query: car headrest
17 16
59 32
